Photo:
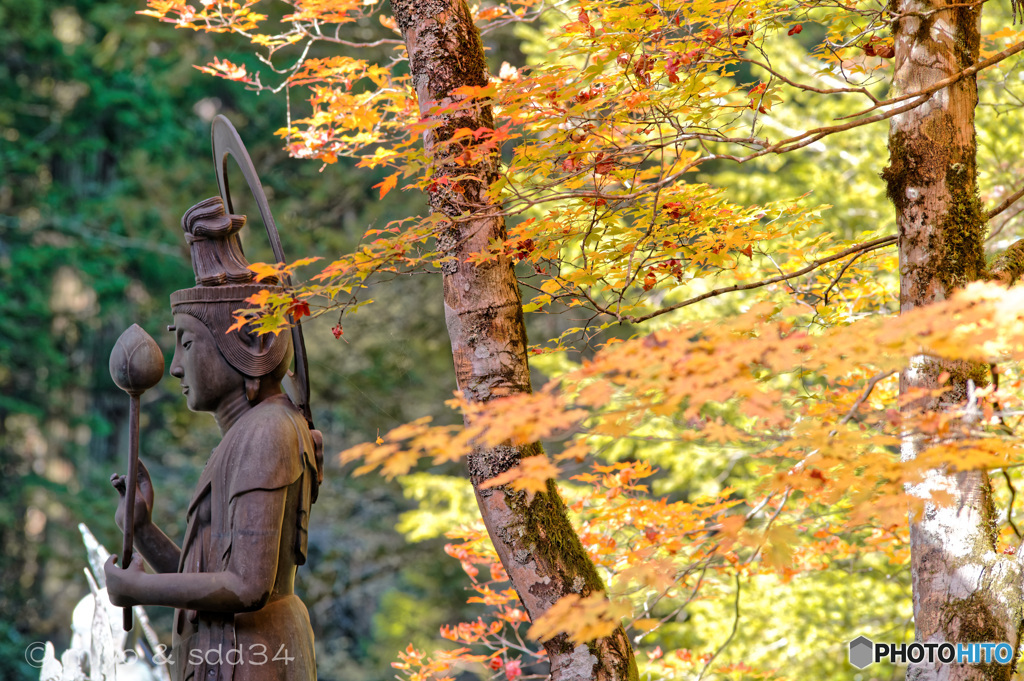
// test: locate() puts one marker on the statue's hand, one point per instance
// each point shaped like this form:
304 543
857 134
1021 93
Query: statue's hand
124 583
143 498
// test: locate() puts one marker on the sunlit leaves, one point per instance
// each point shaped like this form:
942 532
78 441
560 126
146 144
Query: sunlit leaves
327 11
531 476
225 69
582 618
436 666
387 185
834 442
215 16
604 148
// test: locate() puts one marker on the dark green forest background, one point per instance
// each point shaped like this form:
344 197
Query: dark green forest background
104 142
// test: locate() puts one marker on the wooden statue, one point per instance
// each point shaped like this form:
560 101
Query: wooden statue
232 580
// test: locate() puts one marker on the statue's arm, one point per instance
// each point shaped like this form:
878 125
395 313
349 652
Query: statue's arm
157 548
245 585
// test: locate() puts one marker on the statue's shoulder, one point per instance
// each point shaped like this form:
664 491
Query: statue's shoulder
265 447
274 421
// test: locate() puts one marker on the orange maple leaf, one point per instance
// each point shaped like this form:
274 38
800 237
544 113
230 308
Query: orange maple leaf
387 185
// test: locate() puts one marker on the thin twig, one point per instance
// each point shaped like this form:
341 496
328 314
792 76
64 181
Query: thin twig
809 88
863 397
761 504
768 525
864 247
349 43
839 276
735 626
1009 201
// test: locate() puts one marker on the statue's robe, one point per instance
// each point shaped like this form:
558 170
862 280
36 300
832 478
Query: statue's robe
268 448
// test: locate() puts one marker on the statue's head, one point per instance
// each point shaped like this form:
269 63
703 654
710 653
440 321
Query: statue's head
215 357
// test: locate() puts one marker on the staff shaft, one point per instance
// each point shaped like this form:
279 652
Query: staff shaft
130 484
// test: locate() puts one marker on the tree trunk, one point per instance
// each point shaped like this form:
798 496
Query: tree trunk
483 310
963 590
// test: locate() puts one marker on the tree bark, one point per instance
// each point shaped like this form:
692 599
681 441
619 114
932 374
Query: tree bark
483 311
963 590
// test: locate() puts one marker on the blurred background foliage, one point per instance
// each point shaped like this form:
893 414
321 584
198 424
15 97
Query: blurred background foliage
104 142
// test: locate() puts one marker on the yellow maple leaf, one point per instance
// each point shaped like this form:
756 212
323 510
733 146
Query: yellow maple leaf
531 475
582 618
264 271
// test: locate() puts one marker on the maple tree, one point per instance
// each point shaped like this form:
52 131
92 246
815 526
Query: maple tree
606 157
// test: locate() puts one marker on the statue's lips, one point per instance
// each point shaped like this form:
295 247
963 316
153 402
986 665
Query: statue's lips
184 389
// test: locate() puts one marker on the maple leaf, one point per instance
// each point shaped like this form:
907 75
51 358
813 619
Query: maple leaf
387 185
531 475
240 321
225 69
583 618
298 309
263 272
260 298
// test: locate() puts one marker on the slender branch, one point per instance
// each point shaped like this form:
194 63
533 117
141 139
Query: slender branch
863 397
839 276
860 248
349 43
812 136
809 88
768 525
761 504
648 608
735 626
1007 202
945 82
1009 266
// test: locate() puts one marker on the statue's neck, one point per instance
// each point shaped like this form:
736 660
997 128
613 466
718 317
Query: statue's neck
230 410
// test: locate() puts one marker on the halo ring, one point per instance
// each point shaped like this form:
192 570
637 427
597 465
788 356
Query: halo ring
227 142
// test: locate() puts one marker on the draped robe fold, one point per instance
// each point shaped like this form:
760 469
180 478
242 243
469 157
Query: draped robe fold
268 448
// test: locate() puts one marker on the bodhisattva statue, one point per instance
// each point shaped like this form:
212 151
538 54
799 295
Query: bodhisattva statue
232 581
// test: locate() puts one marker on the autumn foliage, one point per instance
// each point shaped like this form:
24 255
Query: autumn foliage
611 141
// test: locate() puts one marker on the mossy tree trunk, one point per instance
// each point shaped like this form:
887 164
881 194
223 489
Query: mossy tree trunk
483 310
963 590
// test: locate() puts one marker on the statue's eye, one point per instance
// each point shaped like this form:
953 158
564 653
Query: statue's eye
186 344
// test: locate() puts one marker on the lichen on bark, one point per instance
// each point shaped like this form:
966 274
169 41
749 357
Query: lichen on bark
962 228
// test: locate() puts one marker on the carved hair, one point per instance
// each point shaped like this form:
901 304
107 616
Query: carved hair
251 354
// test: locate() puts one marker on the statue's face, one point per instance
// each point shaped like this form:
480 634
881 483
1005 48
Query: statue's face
207 379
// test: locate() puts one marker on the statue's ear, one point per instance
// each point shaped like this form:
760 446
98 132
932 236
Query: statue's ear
274 353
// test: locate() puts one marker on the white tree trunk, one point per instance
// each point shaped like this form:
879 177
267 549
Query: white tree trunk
963 590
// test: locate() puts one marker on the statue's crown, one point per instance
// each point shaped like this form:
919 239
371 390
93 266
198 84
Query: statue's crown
212 236
222 272
223 283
